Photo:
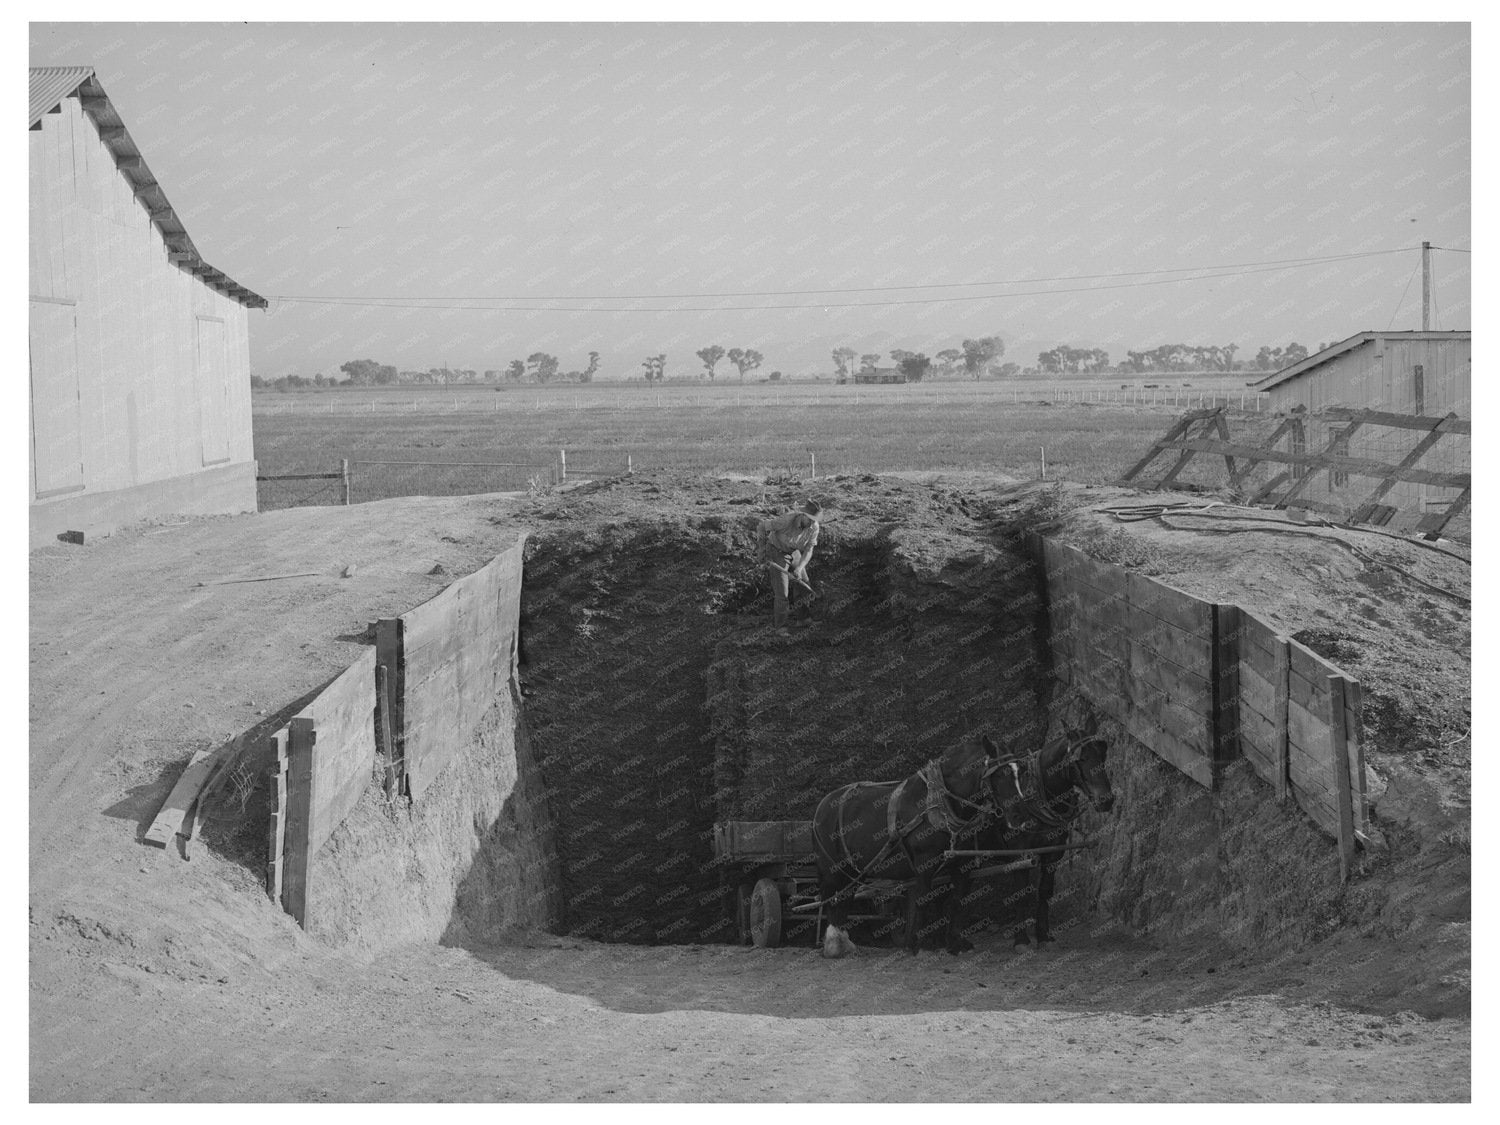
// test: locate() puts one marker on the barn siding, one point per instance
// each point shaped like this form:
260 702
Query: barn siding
1378 373
141 414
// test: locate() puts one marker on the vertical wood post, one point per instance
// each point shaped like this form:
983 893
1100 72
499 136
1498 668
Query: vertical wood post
1225 686
1426 285
1283 748
383 731
276 835
629 467
390 668
299 805
1339 739
348 482
562 465
1418 390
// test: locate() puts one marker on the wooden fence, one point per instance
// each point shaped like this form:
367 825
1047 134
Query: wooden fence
397 715
1202 683
1300 466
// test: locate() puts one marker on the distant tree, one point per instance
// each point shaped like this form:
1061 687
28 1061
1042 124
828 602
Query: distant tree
543 366
869 361
746 359
899 355
948 360
1008 370
978 353
776 376
913 365
515 371
843 360
366 372
587 376
656 367
256 382
710 357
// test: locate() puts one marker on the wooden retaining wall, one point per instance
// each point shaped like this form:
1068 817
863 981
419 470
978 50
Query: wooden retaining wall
402 710
446 661
1203 683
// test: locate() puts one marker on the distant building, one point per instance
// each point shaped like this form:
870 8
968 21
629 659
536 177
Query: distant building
880 375
1398 372
140 359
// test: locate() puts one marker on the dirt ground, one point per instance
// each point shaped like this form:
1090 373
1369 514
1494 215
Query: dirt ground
155 978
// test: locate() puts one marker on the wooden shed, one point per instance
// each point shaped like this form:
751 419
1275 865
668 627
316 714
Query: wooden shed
1424 373
140 358
1403 372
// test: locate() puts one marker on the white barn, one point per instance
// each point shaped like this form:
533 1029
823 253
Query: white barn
140 358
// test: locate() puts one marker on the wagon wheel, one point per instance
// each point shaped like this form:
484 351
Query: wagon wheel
765 915
742 912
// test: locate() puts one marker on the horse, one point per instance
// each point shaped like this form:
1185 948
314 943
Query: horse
900 830
1038 812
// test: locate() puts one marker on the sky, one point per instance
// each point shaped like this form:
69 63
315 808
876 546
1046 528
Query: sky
461 194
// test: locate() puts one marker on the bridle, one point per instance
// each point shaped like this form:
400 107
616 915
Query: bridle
1061 810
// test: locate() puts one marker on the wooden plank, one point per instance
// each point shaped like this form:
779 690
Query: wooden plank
1362 513
1190 614
1223 428
1192 690
1260 644
1190 726
1307 733
1258 693
1258 743
296 854
1450 424
1434 522
456 652
1225 684
168 820
1168 747
1176 430
1237 479
1354 730
1319 807
276 832
388 658
1307 663
1340 747
343 715
1281 718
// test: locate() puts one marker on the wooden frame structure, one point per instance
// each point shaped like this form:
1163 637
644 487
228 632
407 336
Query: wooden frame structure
1287 488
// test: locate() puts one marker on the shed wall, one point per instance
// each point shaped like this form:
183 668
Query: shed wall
157 396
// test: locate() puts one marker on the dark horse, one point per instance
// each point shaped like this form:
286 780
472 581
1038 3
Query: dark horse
1038 811
900 830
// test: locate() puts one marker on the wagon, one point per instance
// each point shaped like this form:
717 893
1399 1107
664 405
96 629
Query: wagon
772 867
775 877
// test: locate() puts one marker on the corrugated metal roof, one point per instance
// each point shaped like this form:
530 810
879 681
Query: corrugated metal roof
51 84
1333 351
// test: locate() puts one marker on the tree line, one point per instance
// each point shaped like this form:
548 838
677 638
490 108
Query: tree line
974 359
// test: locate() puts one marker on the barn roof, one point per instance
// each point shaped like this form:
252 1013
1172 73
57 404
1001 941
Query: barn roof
1333 351
49 86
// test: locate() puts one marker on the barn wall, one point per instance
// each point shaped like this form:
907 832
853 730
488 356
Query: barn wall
161 361
1380 374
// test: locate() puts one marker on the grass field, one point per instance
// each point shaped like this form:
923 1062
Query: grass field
735 428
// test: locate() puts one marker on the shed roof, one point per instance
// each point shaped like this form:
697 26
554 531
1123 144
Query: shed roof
49 86
1333 351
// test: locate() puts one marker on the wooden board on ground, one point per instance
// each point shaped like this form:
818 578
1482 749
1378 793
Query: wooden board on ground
169 819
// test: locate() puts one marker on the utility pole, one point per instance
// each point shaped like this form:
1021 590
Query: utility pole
1426 282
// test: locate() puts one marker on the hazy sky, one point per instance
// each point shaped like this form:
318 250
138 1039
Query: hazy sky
956 168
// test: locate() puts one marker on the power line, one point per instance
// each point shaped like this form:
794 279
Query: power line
1249 267
399 303
1402 301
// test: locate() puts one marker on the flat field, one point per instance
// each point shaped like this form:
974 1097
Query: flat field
456 440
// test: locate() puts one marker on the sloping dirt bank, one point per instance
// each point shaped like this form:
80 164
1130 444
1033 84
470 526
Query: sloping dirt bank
152 978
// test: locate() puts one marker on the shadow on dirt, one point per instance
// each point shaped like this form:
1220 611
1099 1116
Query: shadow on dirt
1090 969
